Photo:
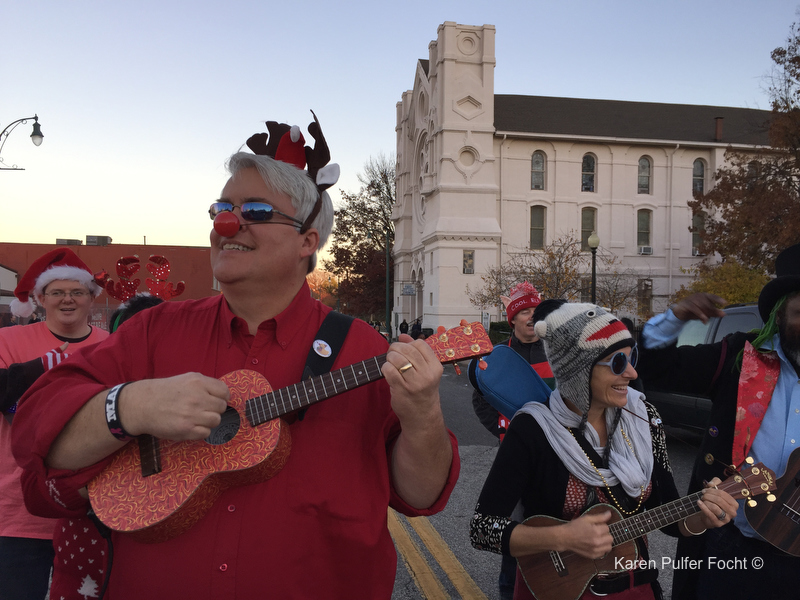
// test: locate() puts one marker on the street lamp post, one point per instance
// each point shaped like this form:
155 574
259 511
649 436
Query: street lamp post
594 242
36 138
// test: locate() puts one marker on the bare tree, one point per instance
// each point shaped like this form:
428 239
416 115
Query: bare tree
560 270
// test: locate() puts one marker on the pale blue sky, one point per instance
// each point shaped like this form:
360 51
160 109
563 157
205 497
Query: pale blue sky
141 102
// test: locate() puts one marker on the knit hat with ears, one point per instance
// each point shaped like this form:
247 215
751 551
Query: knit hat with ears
576 336
521 296
58 264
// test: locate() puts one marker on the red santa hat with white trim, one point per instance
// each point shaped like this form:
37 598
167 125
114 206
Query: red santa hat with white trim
58 264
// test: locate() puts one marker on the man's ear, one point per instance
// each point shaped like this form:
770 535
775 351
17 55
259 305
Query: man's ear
310 243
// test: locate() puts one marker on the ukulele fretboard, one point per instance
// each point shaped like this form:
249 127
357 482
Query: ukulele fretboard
289 399
656 518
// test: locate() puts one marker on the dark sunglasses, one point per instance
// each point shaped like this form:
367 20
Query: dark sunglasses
619 362
254 212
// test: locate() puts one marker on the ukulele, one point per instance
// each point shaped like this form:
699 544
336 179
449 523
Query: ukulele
565 575
777 520
156 490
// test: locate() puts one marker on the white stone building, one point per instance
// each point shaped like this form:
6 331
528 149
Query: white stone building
481 175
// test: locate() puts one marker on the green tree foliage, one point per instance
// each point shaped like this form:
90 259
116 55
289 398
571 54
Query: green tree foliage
752 211
731 280
560 270
359 239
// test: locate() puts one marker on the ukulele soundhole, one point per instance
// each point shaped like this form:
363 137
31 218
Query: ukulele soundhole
227 429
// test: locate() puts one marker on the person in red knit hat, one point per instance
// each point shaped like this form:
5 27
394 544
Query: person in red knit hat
64 286
520 304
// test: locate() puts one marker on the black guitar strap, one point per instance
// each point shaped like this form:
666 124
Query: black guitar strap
332 332
327 343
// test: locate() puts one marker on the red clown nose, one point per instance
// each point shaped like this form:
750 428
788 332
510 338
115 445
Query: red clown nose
226 224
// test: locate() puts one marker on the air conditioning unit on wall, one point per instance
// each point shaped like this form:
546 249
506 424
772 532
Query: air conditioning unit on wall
645 250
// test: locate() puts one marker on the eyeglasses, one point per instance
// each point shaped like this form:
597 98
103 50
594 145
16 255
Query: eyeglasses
61 294
619 362
255 212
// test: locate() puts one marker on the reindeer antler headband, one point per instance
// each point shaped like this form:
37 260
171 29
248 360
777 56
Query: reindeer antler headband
286 144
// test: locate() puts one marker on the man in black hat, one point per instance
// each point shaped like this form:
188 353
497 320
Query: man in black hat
752 380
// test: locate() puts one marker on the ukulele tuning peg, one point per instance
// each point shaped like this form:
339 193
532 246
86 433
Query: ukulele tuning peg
749 460
752 503
440 330
457 368
771 498
464 323
482 364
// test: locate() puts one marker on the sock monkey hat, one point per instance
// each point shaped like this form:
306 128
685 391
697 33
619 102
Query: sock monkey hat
576 336
58 264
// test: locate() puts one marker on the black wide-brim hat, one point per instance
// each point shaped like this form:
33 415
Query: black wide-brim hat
787 280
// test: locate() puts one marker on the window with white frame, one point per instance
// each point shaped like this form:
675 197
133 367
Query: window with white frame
538 170
644 221
588 225
538 216
698 177
645 176
588 172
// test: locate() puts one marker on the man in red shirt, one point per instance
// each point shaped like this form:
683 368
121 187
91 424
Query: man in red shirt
318 527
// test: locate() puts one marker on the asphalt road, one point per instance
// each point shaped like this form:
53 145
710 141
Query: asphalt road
477 448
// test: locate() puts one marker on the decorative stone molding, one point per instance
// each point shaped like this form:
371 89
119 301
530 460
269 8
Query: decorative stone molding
468 107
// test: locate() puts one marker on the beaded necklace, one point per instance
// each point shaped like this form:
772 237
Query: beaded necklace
608 487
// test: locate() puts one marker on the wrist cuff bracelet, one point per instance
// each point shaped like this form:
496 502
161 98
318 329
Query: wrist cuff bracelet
112 414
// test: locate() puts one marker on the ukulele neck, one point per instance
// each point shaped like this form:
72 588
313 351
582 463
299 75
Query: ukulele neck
300 395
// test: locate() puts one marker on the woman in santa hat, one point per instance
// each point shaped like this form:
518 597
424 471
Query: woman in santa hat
64 286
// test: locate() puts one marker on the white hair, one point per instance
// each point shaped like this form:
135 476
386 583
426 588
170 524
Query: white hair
288 179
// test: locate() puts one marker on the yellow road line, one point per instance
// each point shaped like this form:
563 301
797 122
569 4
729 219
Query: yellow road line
464 584
417 566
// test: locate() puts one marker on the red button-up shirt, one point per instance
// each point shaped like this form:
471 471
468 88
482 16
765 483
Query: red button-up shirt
315 530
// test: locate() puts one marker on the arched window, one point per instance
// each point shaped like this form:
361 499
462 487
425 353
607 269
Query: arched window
644 220
588 170
538 215
538 170
645 167
588 225
698 177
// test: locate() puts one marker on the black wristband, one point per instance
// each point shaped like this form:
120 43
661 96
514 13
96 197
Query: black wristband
112 414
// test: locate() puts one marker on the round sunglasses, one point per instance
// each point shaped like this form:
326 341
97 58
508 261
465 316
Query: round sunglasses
254 212
619 362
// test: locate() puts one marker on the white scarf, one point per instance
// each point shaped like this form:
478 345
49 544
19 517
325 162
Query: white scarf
631 469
